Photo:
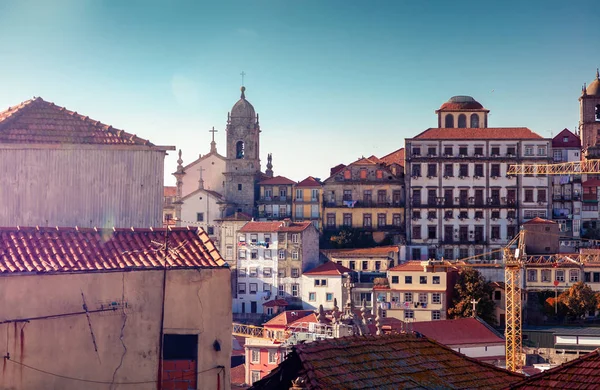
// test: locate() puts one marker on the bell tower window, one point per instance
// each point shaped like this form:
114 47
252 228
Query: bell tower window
462 121
597 113
474 121
449 121
239 149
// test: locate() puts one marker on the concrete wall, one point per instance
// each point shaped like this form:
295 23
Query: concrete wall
197 302
81 186
482 350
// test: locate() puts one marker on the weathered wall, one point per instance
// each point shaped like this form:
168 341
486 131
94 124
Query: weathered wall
83 186
197 302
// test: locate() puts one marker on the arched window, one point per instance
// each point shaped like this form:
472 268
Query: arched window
598 113
474 121
462 121
239 149
449 121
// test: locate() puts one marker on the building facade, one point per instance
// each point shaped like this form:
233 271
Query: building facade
589 113
462 202
113 178
323 285
307 201
275 199
169 209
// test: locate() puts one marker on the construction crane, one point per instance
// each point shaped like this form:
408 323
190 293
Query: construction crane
566 168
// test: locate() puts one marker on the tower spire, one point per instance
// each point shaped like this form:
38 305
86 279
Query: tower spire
269 171
597 74
213 144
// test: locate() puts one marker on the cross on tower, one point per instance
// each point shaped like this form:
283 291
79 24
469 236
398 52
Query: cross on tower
201 181
243 74
474 302
213 131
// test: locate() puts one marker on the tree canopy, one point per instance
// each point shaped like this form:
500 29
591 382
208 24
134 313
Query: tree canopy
579 300
471 285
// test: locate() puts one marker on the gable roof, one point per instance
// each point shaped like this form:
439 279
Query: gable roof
573 141
581 373
273 227
458 331
309 182
277 180
479 133
329 268
396 157
276 302
538 221
212 193
408 266
55 250
285 318
336 169
37 121
389 361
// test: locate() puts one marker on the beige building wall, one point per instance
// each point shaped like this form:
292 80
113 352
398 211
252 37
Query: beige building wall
213 166
198 301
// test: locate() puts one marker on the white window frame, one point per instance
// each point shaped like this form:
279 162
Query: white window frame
299 194
436 298
254 376
254 238
255 355
295 238
229 251
295 290
295 255
242 288
574 275
267 254
272 357
295 273
281 290
559 275
409 314
281 254
408 297
255 288
423 298
436 313
242 254
312 296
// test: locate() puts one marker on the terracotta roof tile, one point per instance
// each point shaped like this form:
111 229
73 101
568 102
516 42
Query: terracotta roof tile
51 250
42 122
479 133
361 252
309 182
573 141
458 331
384 362
237 216
238 375
287 317
277 180
308 319
408 266
276 302
170 191
396 157
581 373
336 169
329 268
538 221
273 227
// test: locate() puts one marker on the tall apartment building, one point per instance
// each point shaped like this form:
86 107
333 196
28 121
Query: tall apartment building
271 257
307 204
567 189
461 201
275 199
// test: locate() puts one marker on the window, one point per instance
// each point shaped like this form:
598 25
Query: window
495 151
312 297
273 357
448 150
416 232
587 277
436 298
431 170
347 174
408 279
462 121
352 265
255 356
431 215
422 279
573 275
299 194
382 197
464 170
377 265
267 287
267 272
436 314
295 238
448 170
299 211
295 290
367 220
241 288
254 254
282 254
229 251
321 282
479 170
546 275
495 214
557 154
253 288
295 255
416 198
449 121
347 219
329 297
416 151
474 121
395 279
416 170
239 187
199 217
281 289
541 195
541 150
431 151
596 276
560 275
330 220
267 254
431 232
409 314
529 196
532 275
496 232
295 273
253 272
396 219
510 151
495 172
436 279
423 298
242 254
462 150
363 173
529 150
242 272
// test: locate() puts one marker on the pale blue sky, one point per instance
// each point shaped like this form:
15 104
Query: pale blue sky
331 80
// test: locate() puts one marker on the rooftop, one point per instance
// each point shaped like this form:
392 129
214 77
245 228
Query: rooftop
273 227
56 250
581 373
479 133
377 251
170 191
329 268
396 157
309 182
461 103
40 122
285 318
539 221
276 302
458 332
389 361
566 139
277 180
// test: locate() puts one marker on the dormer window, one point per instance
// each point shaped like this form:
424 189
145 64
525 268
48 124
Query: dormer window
565 139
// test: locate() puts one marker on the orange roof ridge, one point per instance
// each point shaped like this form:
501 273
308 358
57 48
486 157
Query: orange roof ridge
478 133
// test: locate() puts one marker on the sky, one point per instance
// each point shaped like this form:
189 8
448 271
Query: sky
331 80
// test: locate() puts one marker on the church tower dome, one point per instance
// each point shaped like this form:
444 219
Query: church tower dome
243 109
589 113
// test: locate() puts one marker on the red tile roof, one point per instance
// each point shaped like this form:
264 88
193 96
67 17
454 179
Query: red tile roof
309 182
55 250
477 133
591 183
329 268
41 122
336 169
273 227
390 361
457 332
573 141
361 252
277 180
396 157
372 160
276 302
170 191
287 317
238 375
538 221
408 266
309 319
237 216
581 373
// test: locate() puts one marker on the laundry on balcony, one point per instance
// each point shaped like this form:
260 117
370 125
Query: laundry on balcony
349 203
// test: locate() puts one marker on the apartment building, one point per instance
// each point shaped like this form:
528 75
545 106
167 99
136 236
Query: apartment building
417 291
368 195
270 261
461 201
323 285
307 202
275 198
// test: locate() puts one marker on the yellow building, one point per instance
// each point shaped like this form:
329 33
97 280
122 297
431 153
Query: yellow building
417 291
307 201
542 274
367 194
275 199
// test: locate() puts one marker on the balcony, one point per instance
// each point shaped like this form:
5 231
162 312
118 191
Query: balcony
275 199
462 203
363 204
267 215
308 200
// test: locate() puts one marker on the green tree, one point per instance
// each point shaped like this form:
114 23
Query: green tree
471 285
351 238
579 300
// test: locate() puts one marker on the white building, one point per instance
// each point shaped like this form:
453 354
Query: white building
208 169
271 259
61 168
462 202
324 284
201 208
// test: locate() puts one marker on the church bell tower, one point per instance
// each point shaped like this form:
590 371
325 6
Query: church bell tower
589 113
242 167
